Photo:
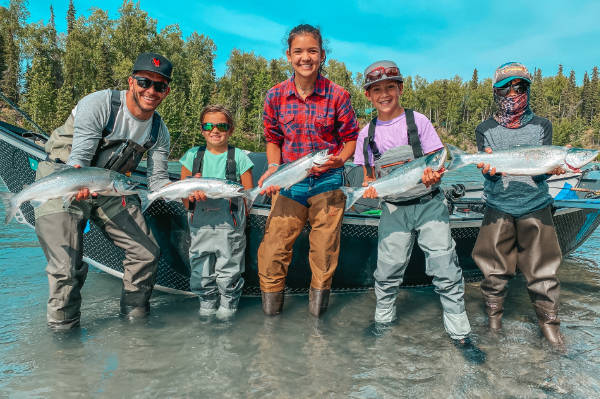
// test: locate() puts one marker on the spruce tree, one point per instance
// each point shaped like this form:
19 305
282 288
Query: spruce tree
70 17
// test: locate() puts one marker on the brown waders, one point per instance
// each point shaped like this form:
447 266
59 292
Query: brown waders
529 243
60 232
285 223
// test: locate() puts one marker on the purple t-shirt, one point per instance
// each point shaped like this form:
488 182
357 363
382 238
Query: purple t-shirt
394 133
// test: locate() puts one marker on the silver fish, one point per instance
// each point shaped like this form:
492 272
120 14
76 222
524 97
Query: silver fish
402 179
291 173
213 188
526 160
65 184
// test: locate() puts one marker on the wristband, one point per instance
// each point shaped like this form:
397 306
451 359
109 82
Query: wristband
273 164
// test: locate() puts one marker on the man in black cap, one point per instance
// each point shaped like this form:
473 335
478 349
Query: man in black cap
109 129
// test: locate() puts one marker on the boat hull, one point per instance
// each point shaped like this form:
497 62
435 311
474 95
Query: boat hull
20 152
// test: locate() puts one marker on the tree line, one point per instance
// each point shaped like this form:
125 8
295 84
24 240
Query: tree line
46 72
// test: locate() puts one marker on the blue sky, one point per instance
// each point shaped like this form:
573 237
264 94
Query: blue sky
435 39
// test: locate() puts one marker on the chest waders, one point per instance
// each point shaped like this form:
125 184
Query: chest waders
60 230
217 247
422 215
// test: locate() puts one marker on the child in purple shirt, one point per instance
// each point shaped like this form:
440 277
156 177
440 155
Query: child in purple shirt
401 135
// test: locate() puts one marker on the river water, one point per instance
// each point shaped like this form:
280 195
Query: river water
175 354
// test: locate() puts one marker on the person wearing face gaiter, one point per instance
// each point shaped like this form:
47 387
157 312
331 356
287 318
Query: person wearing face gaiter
517 229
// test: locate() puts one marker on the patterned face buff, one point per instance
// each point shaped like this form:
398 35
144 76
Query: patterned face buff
513 111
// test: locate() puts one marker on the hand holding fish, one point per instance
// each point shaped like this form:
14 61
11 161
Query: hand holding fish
431 177
335 161
269 190
485 168
83 193
370 192
197 196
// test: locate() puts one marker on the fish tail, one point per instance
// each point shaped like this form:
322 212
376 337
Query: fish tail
352 194
251 195
11 208
458 157
146 198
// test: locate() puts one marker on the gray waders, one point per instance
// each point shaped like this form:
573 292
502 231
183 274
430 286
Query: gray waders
60 232
217 250
428 219
422 212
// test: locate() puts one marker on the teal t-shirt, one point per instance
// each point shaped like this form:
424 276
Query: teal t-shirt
214 165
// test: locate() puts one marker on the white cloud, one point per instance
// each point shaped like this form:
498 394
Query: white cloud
245 25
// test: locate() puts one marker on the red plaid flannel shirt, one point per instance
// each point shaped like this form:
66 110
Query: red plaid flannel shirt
325 120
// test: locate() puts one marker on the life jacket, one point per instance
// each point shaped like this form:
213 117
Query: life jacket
120 155
385 163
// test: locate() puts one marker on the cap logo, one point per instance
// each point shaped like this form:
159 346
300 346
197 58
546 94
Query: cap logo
156 62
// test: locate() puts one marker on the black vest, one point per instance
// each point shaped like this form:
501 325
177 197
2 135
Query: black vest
122 155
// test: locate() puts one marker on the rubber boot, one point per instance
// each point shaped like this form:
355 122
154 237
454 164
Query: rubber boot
318 300
494 307
135 305
550 326
272 303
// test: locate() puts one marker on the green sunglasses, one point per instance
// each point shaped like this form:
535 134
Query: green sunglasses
221 127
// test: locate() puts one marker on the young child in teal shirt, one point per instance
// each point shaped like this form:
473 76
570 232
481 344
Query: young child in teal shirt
218 241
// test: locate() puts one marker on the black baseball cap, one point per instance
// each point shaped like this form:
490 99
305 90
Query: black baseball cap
154 63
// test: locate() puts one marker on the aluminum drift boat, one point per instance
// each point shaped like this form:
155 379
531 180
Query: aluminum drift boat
21 150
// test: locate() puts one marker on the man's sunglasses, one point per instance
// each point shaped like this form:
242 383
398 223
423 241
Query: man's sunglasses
378 72
221 127
519 88
145 83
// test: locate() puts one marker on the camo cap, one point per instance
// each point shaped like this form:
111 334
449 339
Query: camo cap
509 71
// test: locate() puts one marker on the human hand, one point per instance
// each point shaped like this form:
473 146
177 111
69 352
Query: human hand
197 195
431 177
270 190
485 167
557 171
367 180
83 193
370 192
333 162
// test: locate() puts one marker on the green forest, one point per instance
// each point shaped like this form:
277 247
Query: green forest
46 72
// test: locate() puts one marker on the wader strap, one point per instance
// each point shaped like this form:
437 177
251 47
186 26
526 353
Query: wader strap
413 133
370 143
230 166
115 104
154 131
198 160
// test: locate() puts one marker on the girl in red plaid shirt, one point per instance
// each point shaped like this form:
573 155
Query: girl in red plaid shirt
303 114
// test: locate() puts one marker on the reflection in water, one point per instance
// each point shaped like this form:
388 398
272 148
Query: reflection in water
175 354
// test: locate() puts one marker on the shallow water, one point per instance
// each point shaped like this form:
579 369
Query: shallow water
175 354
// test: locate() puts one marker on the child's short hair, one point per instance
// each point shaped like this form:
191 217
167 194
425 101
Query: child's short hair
218 108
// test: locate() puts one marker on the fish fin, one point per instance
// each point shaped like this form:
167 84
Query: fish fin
68 199
251 195
146 198
11 209
352 194
36 203
456 155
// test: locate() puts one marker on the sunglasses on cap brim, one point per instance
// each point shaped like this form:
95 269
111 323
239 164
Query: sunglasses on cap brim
379 72
145 83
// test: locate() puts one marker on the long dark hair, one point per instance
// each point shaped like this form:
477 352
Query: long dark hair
306 29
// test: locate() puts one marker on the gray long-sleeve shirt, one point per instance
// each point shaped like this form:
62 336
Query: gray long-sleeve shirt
515 195
91 116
